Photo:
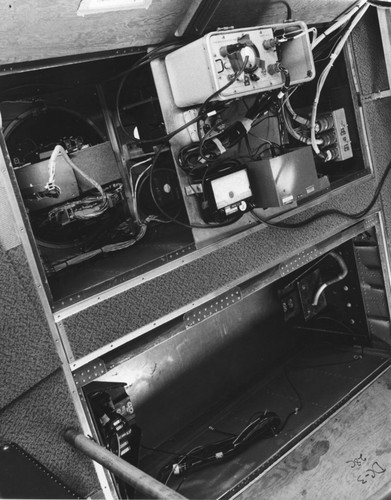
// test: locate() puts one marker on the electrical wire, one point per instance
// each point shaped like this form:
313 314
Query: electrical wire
173 219
361 10
235 132
165 140
113 247
289 15
202 109
261 425
148 100
299 399
297 118
328 45
78 214
265 426
337 322
315 142
340 21
353 16
140 186
51 189
259 152
295 134
169 136
136 188
155 53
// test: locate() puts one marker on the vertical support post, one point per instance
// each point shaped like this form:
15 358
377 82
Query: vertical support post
384 16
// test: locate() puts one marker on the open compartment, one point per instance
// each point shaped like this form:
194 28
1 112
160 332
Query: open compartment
295 93
88 207
221 393
108 166
278 127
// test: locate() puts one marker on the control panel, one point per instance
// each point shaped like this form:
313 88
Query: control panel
239 62
253 52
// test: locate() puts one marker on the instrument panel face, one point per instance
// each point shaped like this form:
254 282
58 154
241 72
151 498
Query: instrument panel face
240 62
255 76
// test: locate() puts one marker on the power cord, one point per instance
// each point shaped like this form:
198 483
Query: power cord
262 425
331 211
173 219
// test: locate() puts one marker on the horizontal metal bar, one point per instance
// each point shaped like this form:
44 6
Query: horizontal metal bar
131 475
381 94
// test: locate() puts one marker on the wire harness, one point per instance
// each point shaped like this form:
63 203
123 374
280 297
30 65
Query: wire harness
264 426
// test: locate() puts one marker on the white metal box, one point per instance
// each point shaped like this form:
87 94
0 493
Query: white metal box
206 65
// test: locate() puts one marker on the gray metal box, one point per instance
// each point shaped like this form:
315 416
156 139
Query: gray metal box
280 181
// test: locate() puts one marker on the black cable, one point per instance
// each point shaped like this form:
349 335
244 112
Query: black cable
187 158
165 452
262 425
286 77
265 426
203 106
207 137
146 59
331 211
329 45
233 134
184 224
288 9
337 322
326 365
260 151
180 484
148 100
145 179
296 410
169 136
263 118
166 137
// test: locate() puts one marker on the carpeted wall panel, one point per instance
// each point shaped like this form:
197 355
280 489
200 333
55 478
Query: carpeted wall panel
27 351
109 320
369 55
36 422
379 118
372 77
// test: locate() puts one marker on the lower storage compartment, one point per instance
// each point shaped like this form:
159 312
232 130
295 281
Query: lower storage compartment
269 418
208 401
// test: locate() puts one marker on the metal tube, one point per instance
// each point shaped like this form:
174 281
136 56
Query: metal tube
124 471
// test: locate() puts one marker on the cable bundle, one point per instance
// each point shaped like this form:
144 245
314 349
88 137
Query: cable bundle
267 425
